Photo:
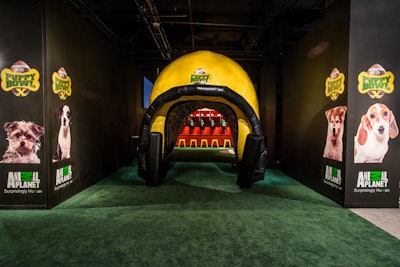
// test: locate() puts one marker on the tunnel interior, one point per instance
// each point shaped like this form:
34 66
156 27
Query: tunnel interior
168 113
179 112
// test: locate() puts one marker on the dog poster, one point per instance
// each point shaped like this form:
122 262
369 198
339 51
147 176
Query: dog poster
63 150
334 135
23 142
377 126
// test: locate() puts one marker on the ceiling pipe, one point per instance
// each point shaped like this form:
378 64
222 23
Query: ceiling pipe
149 13
166 49
191 20
215 24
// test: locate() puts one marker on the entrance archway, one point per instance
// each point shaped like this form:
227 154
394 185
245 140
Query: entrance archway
221 84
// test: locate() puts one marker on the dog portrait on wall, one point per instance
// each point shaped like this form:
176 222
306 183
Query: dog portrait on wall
377 126
23 142
334 135
63 150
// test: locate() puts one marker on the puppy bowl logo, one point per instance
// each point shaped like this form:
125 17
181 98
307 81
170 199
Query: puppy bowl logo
20 79
376 82
61 84
373 179
334 84
200 76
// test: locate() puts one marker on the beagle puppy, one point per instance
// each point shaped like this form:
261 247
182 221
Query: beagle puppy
376 127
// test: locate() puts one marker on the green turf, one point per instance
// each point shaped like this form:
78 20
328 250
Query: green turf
197 217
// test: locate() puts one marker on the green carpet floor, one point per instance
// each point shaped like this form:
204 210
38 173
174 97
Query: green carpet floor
197 217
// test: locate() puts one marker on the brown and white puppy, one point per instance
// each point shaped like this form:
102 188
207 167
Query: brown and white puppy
64 134
334 136
376 127
23 142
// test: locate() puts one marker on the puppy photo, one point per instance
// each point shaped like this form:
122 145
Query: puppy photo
334 136
23 142
376 127
64 134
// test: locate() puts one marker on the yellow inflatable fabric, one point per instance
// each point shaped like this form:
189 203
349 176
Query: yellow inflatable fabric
206 67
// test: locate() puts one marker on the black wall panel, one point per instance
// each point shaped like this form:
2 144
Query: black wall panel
50 36
354 36
304 125
101 98
21 39
374 37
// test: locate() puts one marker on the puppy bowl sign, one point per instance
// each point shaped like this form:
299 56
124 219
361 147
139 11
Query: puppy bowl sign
199 76
62 84
376 82
334 84
20 79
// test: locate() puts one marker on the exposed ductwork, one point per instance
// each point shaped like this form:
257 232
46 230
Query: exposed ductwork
149 13
251 31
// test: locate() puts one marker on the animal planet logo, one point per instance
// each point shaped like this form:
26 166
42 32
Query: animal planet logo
200 76
334 84
23 183
372 181
62 84
333 177
63 177
20 79
376 82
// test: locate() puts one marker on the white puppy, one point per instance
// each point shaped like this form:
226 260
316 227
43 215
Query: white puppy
64 134
376 127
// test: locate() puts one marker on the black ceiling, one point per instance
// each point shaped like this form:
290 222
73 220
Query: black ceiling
154 32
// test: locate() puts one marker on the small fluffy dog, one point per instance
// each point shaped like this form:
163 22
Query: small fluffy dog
334 136
23 142
376 127
64 134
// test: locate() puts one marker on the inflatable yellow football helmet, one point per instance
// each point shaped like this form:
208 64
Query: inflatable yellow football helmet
194 81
